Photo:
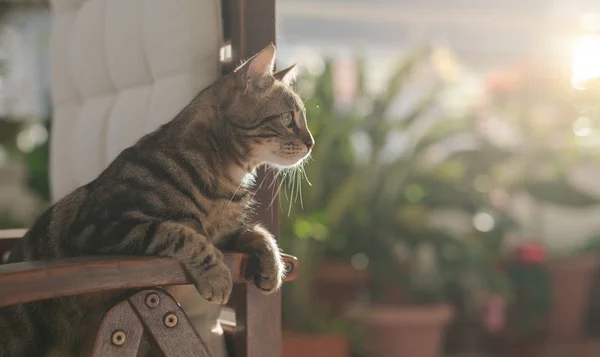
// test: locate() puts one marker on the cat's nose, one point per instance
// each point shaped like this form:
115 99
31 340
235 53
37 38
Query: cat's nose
310 143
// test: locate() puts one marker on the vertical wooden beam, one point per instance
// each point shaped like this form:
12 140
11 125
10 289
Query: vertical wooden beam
249 26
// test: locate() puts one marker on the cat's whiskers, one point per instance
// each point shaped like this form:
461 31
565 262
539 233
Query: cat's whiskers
259 186
272 187
292 185
281 182
296 173
245 182
275 177
304 171
298 179
281 176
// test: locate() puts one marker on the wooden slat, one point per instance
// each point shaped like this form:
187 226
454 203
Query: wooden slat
173 337
121 317
32 281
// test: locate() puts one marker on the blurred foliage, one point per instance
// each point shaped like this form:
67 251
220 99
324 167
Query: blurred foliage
592 321
528 317
36 161
364 200
38 164
379 205
8 221
538 114
9 129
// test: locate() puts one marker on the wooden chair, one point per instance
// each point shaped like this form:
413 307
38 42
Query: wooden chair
251 321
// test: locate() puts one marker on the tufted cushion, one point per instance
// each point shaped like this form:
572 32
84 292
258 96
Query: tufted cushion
119 69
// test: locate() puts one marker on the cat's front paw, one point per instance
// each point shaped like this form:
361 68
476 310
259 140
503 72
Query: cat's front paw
270 270
265 261
265 258
215 283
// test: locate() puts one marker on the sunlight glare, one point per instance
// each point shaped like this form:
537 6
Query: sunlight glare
586 61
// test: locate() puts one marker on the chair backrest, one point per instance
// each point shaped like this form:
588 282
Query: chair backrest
119 69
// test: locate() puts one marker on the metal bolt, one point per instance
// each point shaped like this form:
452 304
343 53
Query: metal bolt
289 267
118 338
152 300
170 320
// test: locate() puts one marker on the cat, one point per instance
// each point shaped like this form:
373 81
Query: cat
183 191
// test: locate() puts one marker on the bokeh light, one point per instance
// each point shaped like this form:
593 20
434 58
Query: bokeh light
359 261
483 222
582 126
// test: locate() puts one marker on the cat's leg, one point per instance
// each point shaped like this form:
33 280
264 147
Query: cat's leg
264 252
201 259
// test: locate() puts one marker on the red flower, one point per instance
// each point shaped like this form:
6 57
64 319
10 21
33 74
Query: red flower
530 253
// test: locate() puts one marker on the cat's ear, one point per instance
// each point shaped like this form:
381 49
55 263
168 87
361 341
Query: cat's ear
286 75
259 65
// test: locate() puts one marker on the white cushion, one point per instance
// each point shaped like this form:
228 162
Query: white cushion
119 69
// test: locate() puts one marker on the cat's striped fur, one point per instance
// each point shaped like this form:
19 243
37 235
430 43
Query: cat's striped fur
181 191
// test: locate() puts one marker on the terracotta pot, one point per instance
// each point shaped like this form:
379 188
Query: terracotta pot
392 294
581 348
570 283
394 331
337 285
314 345
529 350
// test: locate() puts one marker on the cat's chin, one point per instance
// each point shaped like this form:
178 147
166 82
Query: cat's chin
282 164
280 167
277 165
277 162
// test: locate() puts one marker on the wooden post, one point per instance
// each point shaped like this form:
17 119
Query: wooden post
249 26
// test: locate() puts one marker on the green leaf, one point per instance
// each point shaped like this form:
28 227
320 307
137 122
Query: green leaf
302 228
438 237
422 106
397 82
481 159
560 193
443 194
347 194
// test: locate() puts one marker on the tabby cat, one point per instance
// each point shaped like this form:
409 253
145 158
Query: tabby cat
182 191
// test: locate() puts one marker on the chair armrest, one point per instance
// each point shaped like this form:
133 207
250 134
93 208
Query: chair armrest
32 281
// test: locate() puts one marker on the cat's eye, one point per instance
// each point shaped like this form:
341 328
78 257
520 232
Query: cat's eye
287 119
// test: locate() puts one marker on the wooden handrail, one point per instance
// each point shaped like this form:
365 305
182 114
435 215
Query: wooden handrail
33 281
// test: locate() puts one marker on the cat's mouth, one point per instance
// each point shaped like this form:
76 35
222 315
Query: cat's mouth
294 161
287 158
284 154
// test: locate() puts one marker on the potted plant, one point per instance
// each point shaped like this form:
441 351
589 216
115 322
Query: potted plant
383 203
420 264
376 210
334 213
544 119
415 324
